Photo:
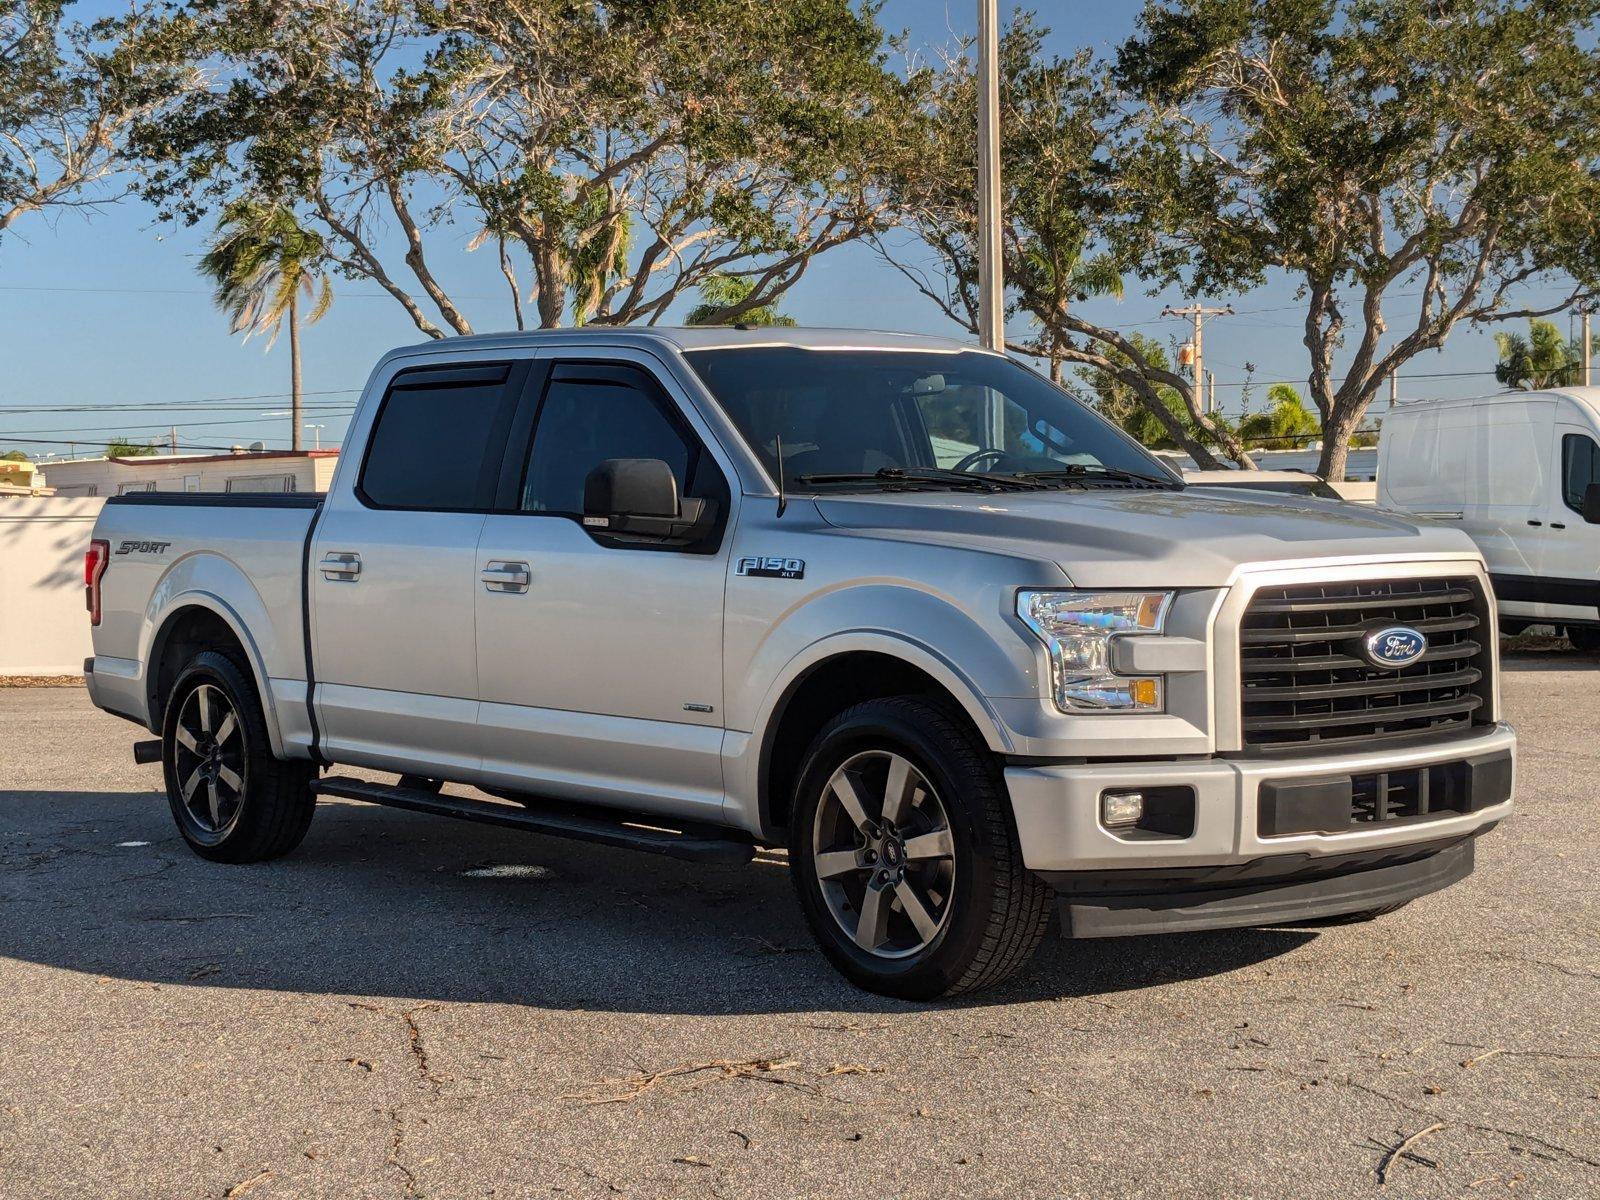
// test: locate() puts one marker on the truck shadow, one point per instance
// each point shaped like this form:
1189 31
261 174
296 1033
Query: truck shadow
384 903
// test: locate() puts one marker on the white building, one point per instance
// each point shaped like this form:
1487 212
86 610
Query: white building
243 471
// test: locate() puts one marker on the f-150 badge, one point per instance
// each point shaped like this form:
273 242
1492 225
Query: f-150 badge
766 566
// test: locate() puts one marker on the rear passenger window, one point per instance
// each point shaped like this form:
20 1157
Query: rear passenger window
438 439
590 415
1580 466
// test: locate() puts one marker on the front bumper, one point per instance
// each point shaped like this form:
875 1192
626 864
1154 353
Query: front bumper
1057 808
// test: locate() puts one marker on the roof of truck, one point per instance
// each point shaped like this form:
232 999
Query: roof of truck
711 337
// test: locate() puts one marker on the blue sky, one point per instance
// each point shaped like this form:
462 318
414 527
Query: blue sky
110 310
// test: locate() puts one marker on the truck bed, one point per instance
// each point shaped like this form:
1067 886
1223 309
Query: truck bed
169 550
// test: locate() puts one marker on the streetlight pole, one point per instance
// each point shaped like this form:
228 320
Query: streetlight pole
991 277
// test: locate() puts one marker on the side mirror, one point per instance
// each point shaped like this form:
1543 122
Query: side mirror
639 497
1591 504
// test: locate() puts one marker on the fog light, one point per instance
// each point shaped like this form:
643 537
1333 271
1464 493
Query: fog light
1121 809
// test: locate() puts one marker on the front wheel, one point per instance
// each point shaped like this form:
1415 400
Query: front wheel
905 857
232 800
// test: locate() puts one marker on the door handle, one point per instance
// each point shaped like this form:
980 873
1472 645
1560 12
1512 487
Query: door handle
341 565
500 576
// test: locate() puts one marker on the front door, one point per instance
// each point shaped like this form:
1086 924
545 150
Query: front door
1570 566
600 660
392 573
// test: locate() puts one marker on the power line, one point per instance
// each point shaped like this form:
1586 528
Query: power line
161 405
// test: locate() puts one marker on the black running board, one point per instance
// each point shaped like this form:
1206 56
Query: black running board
606 830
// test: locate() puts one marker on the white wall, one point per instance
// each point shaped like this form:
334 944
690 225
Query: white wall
44 629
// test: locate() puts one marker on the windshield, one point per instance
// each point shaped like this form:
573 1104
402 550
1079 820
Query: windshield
866 418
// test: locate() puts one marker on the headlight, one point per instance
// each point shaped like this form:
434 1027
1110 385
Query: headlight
1078 628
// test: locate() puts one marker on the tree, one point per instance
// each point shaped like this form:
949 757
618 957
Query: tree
1443 153
1061 121
1286 424
1129 408
262 263
121 447
69 95
620 153
14 456
722 293
1543 359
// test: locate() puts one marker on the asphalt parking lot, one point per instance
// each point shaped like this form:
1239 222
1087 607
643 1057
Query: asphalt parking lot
415 1007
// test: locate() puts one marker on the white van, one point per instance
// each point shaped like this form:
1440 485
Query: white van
1520 473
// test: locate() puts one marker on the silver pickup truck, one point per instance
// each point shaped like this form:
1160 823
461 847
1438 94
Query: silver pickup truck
897 605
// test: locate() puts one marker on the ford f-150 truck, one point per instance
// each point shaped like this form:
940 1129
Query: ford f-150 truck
900 606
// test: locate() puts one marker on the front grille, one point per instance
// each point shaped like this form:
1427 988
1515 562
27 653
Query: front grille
1307 687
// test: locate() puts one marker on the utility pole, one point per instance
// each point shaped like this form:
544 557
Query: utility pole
1394 387
174 439
1585 346
1199 313
1211 392
991 278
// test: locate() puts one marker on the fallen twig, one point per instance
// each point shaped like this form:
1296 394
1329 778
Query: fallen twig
1389 1159
754 1068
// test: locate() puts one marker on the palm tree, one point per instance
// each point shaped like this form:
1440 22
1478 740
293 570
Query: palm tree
721 292
1540 360
1059 275
262 263
1287 424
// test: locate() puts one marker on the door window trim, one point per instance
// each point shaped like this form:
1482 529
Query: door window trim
509 374
625 373
1566 462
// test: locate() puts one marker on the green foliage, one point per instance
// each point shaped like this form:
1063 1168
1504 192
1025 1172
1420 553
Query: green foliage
1543 359
121 447
14 456
1286 424
70 92
724 293
261 261
1372 149
619 153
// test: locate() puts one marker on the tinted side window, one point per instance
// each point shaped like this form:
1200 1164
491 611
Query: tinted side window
438 440
1580 466
583 422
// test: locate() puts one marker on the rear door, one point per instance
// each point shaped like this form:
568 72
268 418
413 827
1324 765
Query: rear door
600 660
392 572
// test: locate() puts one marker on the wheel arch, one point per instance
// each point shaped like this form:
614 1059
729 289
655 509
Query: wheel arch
835 676
195 621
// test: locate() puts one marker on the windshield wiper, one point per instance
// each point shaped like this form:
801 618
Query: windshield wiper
901 476
1077 471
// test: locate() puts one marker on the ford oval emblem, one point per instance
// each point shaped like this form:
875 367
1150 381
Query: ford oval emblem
1395 646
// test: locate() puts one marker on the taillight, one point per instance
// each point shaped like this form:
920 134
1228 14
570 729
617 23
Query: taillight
95 560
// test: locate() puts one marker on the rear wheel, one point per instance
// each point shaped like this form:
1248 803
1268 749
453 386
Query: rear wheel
232 800
1585 639
904 855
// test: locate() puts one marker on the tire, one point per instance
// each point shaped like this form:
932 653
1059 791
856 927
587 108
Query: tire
950 842
1585 639
231 799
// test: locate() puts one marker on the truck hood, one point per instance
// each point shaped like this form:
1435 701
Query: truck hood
1115 539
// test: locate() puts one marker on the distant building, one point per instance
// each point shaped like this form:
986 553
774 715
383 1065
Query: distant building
260 471
21 478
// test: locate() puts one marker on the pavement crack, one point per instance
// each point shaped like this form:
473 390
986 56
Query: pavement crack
397 1138
416 1043
1517 1134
